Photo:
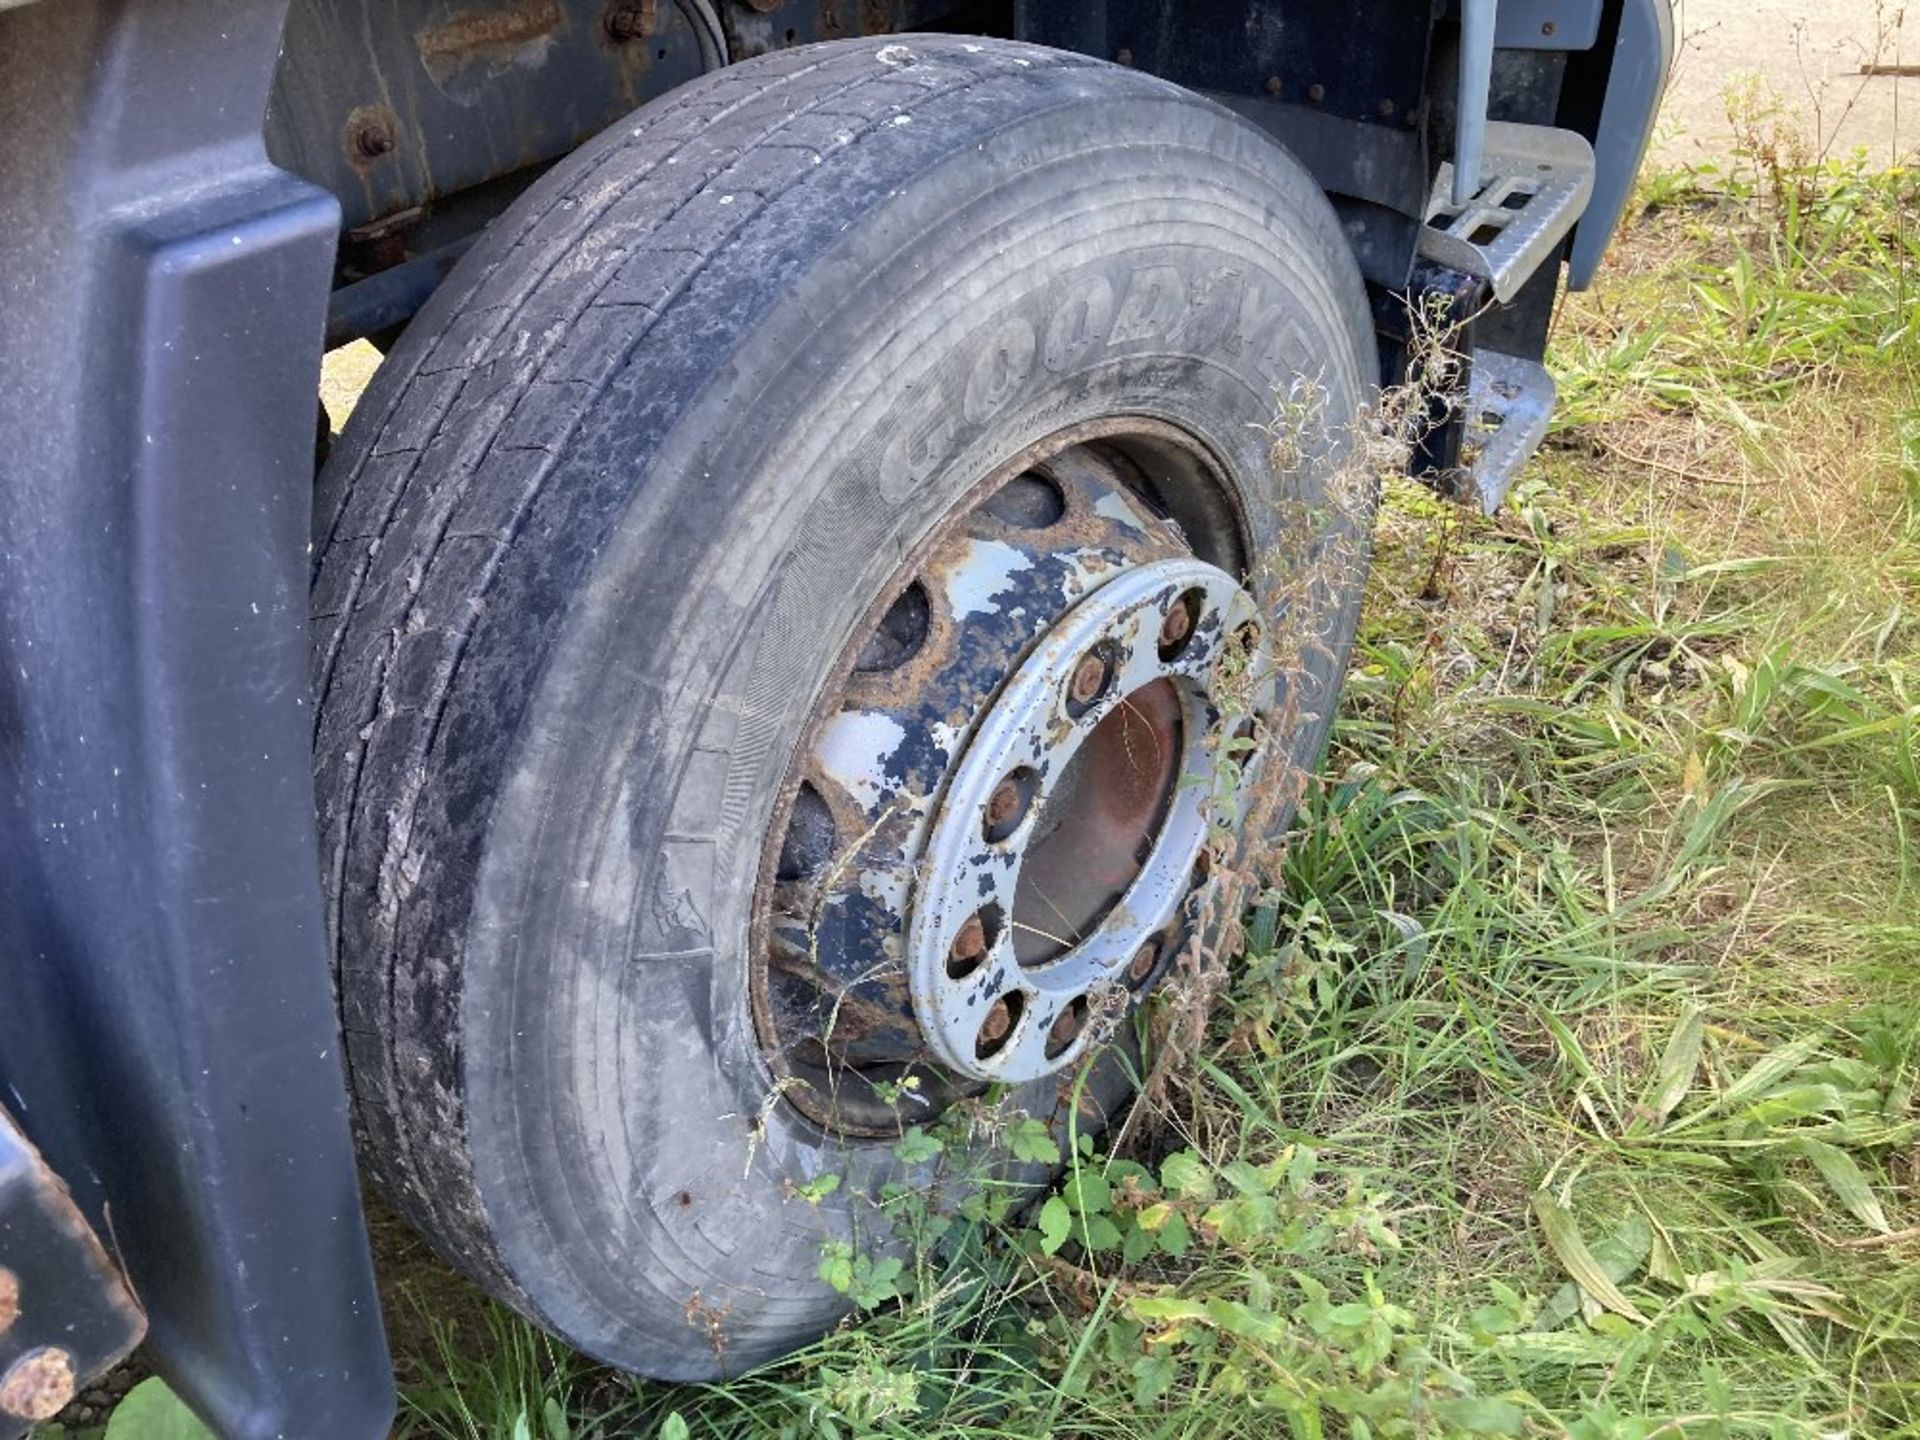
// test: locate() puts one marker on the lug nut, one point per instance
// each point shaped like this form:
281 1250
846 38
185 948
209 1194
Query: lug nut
996 1027
971 942
1089 679
969 948
1003 805
1144 959
1177 626
1007 806
1066 1027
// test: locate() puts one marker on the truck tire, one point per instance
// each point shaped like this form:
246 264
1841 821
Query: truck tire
826 399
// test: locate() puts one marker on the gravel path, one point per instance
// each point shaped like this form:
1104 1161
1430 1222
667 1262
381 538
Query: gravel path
1810 51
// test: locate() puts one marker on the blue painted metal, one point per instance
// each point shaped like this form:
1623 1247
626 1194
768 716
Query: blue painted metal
1548 24
1642 60
461 93
1366 60
168 1038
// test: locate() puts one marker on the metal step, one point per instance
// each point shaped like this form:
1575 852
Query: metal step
1509 404
1538 181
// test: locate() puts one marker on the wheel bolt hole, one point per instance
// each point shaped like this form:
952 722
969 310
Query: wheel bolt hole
1030 502
1089 681
1009 803
974 943
1202 869
810 839
901 633
1066 1027
1176 630
997 1029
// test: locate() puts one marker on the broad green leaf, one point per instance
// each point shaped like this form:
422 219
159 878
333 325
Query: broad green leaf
1620 1256
878 1284
1795 1102
1153 1376
1100 1233
1570 1249
1056 1223
1770 1068
151 1411
916 1147
1662 1264
1175 1236
1154 1216
1185 1175
1301 1164
1674 1079
836 1266
818 1188
1087 1192
1032 1142
556 1417
1165 1309
1244 1178
1244 1218
1481 1415
674 1427
1246 1321
1847 1181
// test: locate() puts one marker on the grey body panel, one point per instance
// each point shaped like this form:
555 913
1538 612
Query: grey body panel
1642 60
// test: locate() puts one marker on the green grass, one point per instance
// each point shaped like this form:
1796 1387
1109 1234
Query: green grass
1567 1088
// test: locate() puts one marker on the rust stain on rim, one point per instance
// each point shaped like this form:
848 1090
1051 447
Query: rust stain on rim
1055 459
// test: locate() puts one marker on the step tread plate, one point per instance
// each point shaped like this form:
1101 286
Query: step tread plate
1509 406
1539 180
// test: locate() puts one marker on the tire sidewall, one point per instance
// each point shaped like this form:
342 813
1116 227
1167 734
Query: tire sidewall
1144 255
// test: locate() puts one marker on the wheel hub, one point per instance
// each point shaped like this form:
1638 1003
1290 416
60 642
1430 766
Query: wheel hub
998 832
1066 909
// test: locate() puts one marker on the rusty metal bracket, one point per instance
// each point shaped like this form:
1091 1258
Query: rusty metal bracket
66 1312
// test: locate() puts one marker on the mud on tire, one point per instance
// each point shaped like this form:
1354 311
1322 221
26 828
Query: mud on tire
592 542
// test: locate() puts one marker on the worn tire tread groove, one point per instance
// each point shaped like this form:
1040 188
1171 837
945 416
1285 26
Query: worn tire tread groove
398 814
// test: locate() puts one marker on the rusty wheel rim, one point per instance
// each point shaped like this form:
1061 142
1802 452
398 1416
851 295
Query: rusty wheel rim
1004 798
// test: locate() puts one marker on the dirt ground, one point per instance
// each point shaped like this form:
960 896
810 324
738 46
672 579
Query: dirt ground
1810 52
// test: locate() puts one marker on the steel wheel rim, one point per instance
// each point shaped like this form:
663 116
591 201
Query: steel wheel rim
843 1088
